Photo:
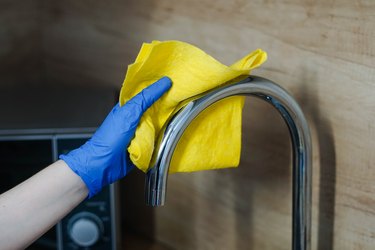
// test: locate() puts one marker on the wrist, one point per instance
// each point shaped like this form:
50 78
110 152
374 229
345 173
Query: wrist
75 186
85 165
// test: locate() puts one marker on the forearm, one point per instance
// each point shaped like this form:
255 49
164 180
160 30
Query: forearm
34 206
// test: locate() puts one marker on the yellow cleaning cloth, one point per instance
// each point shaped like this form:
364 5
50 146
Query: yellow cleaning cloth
213 139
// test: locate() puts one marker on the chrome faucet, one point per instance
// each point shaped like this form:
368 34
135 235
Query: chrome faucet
156 179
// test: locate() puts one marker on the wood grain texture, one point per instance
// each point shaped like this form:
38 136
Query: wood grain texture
20 47
322 52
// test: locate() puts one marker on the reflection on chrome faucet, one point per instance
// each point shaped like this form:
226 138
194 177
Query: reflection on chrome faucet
156 179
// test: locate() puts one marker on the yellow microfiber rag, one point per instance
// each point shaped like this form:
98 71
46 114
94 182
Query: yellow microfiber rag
213 139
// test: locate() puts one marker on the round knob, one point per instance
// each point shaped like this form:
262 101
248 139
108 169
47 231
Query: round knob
85 229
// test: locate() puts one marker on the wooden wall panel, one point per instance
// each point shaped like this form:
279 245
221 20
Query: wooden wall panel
322 52
87 42
20 42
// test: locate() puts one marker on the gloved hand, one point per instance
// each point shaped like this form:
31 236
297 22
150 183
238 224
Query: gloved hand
104 159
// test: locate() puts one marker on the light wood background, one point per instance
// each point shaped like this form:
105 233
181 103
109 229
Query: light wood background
322 52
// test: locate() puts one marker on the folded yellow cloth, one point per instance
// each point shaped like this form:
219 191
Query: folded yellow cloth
213 139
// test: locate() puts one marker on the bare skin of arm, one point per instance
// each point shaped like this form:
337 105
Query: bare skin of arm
34 206
25 214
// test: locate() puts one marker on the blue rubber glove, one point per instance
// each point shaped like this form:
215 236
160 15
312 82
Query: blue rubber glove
104 159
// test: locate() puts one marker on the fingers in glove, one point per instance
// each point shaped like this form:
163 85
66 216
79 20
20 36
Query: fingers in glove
151 94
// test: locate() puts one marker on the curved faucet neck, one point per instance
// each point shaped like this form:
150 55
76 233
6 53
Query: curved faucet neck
156 179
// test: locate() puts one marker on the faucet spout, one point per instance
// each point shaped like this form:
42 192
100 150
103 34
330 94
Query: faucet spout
156 178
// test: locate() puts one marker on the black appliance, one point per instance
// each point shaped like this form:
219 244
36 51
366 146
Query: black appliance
36 125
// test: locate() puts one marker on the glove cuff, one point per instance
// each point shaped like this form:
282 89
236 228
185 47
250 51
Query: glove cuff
90 183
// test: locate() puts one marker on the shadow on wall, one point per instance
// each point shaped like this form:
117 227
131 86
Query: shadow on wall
220 204
137 219
265 170
265 166
309 101
263 178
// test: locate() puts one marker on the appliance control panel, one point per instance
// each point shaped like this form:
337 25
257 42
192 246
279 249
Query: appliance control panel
88 226
85 229
91 225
